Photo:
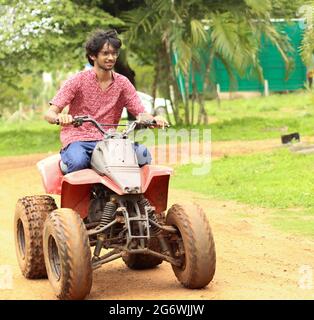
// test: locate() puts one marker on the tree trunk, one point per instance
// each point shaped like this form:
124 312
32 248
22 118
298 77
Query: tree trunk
194 90
123 68
156 81
193 108
187 100
203 116
199 117
171 81
156 76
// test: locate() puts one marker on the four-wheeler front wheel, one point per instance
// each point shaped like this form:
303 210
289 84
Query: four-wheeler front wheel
30 215
195 245
67 254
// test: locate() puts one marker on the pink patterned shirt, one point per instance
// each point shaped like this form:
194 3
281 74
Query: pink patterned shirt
84 96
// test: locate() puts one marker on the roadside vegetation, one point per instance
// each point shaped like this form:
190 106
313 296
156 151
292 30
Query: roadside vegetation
281 181
27 137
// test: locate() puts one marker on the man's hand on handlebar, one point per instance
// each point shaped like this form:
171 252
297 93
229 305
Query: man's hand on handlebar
146 120
64 119
160 122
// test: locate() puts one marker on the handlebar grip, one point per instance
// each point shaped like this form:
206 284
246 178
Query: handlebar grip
154 123
76 121
145 124
148 124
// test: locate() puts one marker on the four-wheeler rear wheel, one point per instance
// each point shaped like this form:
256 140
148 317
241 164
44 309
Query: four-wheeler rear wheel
144 261
30 215
197 247
67 254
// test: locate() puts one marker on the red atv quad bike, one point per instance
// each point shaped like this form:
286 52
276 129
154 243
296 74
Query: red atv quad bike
117 206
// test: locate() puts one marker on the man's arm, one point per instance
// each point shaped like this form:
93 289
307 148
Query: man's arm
53 114
63 98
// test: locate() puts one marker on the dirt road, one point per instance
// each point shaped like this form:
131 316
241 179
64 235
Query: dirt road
254 261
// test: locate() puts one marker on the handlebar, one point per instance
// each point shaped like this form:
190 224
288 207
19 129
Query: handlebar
79 120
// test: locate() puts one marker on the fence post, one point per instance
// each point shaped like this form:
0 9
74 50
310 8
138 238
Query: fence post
266 88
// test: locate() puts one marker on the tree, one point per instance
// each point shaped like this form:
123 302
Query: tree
44 35
48 31
307 47
231 30
286 8
40 35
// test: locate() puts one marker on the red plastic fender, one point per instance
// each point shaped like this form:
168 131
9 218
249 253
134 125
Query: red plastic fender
155 183
51 174
75 187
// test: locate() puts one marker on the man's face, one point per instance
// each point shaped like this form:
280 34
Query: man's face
106 57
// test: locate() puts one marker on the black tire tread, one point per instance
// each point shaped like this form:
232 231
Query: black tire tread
75 255
198 243
35 209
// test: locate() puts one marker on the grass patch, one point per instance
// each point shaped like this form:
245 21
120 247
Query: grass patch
256 128
300 222
280 180
274 106
262 117
274 180
28 142
28 137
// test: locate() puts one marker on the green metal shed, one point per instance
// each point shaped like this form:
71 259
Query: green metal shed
272 63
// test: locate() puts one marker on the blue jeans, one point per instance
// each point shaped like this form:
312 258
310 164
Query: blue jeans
77 155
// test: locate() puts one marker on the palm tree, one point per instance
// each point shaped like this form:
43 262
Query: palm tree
307 47
183 30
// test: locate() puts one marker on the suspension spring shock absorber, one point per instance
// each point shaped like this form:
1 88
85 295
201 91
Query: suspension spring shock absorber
107 216
155 230
144 203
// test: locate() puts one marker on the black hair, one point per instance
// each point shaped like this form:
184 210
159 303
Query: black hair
97 40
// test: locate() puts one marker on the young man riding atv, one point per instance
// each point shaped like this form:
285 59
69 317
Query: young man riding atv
99 92
110 196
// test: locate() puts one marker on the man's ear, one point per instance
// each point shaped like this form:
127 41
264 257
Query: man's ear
93 58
